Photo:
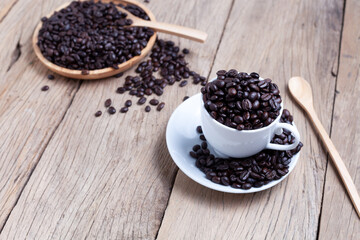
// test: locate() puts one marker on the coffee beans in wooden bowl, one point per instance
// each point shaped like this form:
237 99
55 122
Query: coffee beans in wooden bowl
245 173
87 36
242 101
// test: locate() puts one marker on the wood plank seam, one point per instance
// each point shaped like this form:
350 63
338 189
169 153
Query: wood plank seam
38 160
221 37
332 116
208 76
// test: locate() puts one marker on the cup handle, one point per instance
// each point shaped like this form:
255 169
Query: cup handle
295 133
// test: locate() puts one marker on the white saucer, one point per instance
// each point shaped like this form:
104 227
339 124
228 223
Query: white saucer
181 136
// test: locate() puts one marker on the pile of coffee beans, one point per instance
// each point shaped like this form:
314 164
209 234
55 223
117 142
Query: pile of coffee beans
166 66
88 35
241 100
245 173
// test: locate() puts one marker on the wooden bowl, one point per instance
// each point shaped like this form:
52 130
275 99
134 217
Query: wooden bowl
98 73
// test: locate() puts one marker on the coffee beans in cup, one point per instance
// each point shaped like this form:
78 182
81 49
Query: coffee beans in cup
242 101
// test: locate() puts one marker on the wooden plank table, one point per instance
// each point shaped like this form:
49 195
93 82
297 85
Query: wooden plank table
65 174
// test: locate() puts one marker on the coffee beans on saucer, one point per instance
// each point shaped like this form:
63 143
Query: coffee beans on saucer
241 100
245 173
87 35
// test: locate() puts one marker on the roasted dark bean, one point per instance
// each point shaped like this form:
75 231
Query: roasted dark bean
124 109
98 114
45 88
199 129
147 109
111 110
160 106
128 103
141 101
154 102
51 77
108 103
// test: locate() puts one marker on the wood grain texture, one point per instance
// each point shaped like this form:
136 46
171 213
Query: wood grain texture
28 116
5 7
338 218
110 177
279 39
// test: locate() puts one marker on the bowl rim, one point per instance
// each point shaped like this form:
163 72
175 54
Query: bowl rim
97 73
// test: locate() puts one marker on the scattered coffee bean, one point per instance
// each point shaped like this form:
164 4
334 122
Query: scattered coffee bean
51 77
147 109
120 90
124 109
119 75
111 110
185 51
166 60
154 102
202 137
199 130
183 83
160 106
108 103
141 101
128 103
45 88
98 114
185 98
88 35
242 101
245 173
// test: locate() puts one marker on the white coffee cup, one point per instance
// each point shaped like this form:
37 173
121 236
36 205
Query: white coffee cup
230 142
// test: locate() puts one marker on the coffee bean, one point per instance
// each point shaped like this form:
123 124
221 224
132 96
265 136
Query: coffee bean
120 90
98 114
185 98
85 72
199 130
108 103
124 109
128 103
154 102
119 75
51 77
185 51
183 83
111 110
141 101
45 88
202 137
147 109
160 106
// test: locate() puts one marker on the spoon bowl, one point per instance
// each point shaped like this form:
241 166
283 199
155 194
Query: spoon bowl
98 73
301 91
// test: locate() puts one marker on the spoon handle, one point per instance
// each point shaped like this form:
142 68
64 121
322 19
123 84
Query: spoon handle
180 31
338 162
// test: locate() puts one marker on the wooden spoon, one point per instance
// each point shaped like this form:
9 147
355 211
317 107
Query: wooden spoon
301 91
176 30
105 72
